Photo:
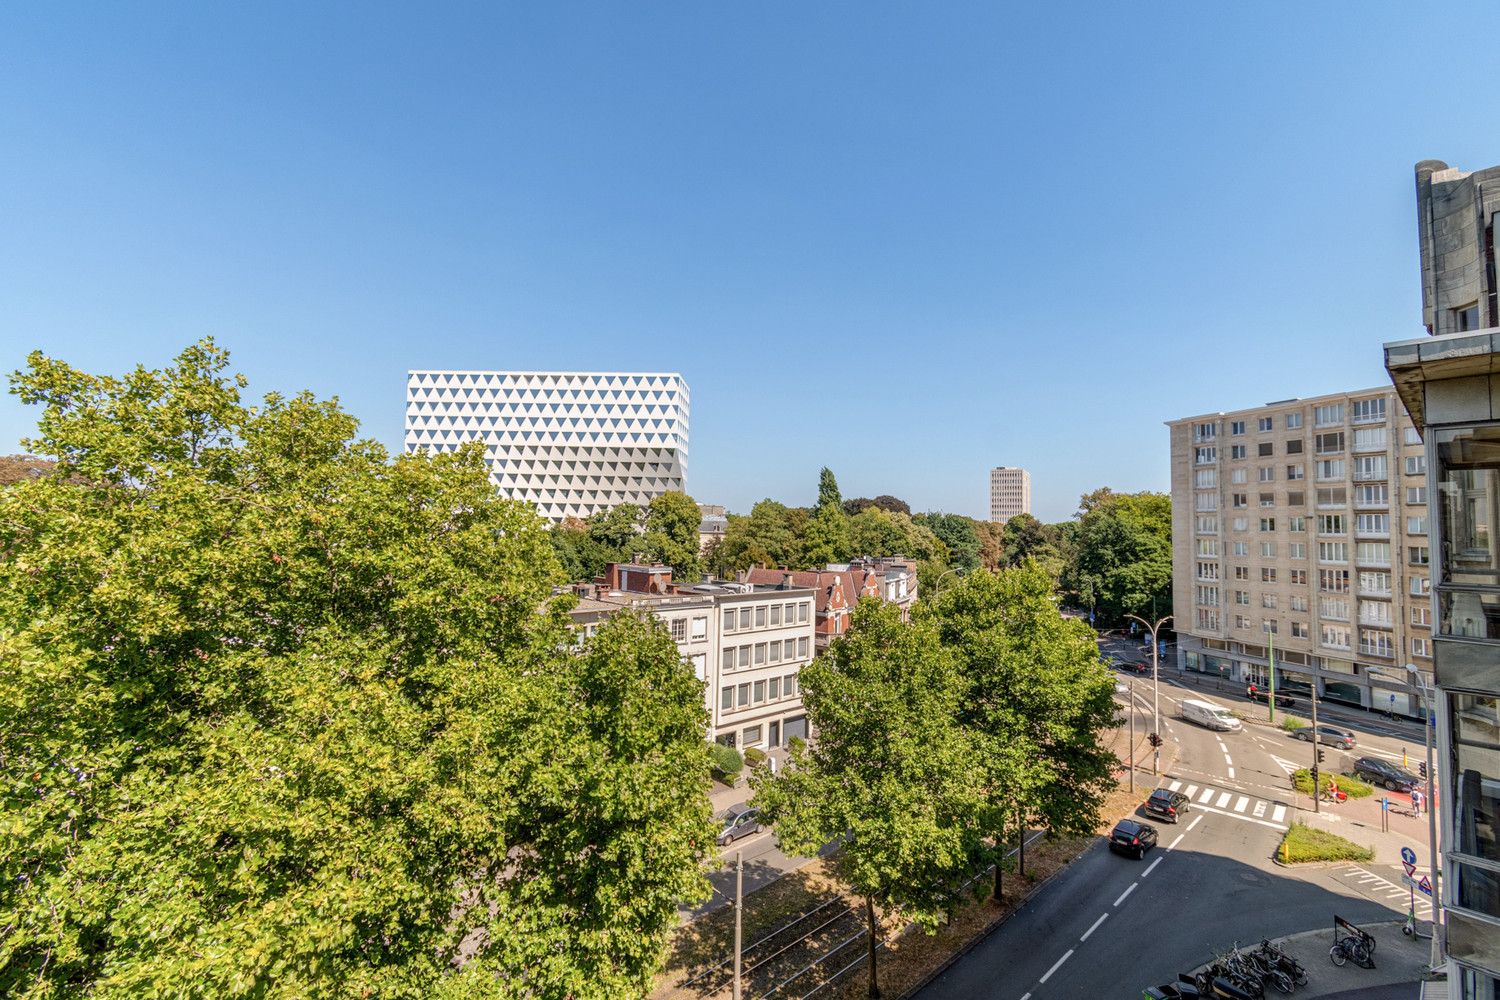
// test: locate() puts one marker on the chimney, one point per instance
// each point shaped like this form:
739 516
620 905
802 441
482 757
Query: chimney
786 581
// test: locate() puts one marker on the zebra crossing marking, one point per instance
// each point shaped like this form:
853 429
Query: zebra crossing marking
1224 798
1208 794
1278 813
1259 810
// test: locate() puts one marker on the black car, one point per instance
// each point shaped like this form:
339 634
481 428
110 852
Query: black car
1133 666
1385 774
1167 804
1130 837
736 822
1260 694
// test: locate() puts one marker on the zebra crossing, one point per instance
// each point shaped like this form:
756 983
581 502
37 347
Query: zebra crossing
1234 804
1380 889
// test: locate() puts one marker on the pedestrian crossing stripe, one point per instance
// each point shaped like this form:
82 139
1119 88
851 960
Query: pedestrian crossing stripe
1374 882
1241 809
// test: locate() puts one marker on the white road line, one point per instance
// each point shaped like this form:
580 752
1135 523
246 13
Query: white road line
1242 819
1240 804
1025 996
1208 794
1224 798
1278 813
1177 841
1191 791
1195 822
1094 928
1067 955
1231 774
1229 760
1259 810
1126 893
1151 867
1174 786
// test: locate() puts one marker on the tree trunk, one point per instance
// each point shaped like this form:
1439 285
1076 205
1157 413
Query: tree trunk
999 874
874 944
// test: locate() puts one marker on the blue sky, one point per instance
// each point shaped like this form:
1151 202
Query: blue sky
906 241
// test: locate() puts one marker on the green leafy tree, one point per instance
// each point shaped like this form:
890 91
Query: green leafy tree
1037 696
581 555
279 718
957 533
672 522
885 502
891 771
764 537
619 528
1122 554
1024 537
827 537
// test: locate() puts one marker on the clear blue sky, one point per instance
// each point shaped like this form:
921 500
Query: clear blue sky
907 241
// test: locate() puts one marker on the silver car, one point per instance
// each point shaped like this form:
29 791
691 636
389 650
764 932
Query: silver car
736 822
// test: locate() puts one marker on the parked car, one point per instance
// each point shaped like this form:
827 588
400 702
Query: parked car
1331 735
1130 837
1132 666
737 821
1167 804
1256 693
1385 774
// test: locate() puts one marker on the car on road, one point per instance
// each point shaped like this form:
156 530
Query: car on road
1260 694
736 822
1133 838
1166 804
1133 666
1331 735
1385 774
1209 715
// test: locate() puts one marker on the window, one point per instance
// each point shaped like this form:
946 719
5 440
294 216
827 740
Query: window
1268 550
1369 439
1333 552
1238 476
1369 467
1294 446
744 617
1334 608
1237 427
1466 318
1237 451
1205 432
760 654
700 627
1267 575
1268 524
775 655
744 695
1208 620
1206 501
1335 637
1242 572
1241 524
1376 643
1333 581
1208 547
1416 525
1208 524
1372 524
1205 456
1373 553
1366 411
1296 498
1331 443
1268 601
1268 499
1330 469
729 620
1333 524
1208 596
1299 603
1263 424
775 614
1328 414
1242 548
1294 472
791 613
802 645
1297 550
1239 500
1419 647
1293 421
1375 584
760 692
1416 494
1208 571
1418 555
1298 523
1332 496
1420 586
750 737
1375 612
728 657
1206 479
1372 495
1421 614
760 616
1299 631
1298 577
1242 597
802 614
1241 621
678 628
773 688
700 665
744 656
1266 474
1410 435
1265 448
789 685
1416 465
726 700
1269 625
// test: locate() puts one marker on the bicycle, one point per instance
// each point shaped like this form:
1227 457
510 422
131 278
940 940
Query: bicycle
1351 947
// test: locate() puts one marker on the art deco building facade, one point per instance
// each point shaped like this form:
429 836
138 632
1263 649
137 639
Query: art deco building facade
572 443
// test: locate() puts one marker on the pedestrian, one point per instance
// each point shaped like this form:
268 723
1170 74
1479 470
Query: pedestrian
1416 801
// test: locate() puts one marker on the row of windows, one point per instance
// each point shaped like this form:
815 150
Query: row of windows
1371 583
1367 466
733 696
1365 495
791 613
762 653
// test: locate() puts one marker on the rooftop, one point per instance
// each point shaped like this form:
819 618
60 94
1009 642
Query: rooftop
1450 355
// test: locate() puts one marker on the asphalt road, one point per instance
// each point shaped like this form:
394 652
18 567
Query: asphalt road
1108 926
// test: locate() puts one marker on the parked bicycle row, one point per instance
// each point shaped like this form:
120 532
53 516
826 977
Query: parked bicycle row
1237 975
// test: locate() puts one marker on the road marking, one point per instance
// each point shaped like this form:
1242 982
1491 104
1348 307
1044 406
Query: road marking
1025 996
1231 774
1242 819
1208 794
1224 798
1372 878
1285 765
1191 791
1278 813
1195 822
1174 786
1094 928
1259 810
1229 760
1056 966
1240 804
1151 867
1126 893
1177 841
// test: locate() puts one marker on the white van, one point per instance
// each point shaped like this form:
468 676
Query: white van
1207 714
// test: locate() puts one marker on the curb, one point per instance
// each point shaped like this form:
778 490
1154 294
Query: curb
975 942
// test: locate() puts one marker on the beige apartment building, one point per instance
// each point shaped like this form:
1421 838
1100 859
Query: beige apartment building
1301 528
1010 493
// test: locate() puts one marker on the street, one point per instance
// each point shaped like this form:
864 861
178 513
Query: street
1109 925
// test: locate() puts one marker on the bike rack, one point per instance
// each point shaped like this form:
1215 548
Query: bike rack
1343 928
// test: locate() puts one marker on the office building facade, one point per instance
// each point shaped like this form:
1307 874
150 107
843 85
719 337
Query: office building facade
1010 493
571 443
1300 530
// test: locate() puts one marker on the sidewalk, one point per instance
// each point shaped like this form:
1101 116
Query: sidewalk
1359 820
1400 964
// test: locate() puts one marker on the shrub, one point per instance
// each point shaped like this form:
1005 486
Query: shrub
796 743
1305 843
726 762
1291 723
1355 788
755 756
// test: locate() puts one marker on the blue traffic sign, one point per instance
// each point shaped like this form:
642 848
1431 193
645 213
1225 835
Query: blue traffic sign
1408 855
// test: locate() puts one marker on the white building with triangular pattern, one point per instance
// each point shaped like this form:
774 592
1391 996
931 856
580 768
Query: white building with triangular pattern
571 443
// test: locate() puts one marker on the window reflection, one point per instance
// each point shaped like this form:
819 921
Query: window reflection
1469 484
1475 723
1471 614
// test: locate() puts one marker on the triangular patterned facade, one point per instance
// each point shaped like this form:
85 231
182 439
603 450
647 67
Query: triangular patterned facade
571 443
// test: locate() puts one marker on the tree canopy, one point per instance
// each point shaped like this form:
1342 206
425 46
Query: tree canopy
279 716
1122 554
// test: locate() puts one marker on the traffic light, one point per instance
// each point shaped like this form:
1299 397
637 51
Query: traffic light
1422 770
1320 755
1154 740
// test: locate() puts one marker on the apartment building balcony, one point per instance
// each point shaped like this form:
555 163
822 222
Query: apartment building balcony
1371 592
1372 477
1385 652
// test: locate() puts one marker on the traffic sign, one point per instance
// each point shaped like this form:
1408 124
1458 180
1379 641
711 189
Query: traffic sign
1424 886
1408 855
1409 881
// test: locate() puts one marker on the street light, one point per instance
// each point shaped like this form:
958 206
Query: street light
1155 685
936 584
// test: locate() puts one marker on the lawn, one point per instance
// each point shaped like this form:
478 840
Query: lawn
1354 787
1305 843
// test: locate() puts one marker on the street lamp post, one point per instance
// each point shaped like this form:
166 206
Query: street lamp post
1429 719
1155 685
